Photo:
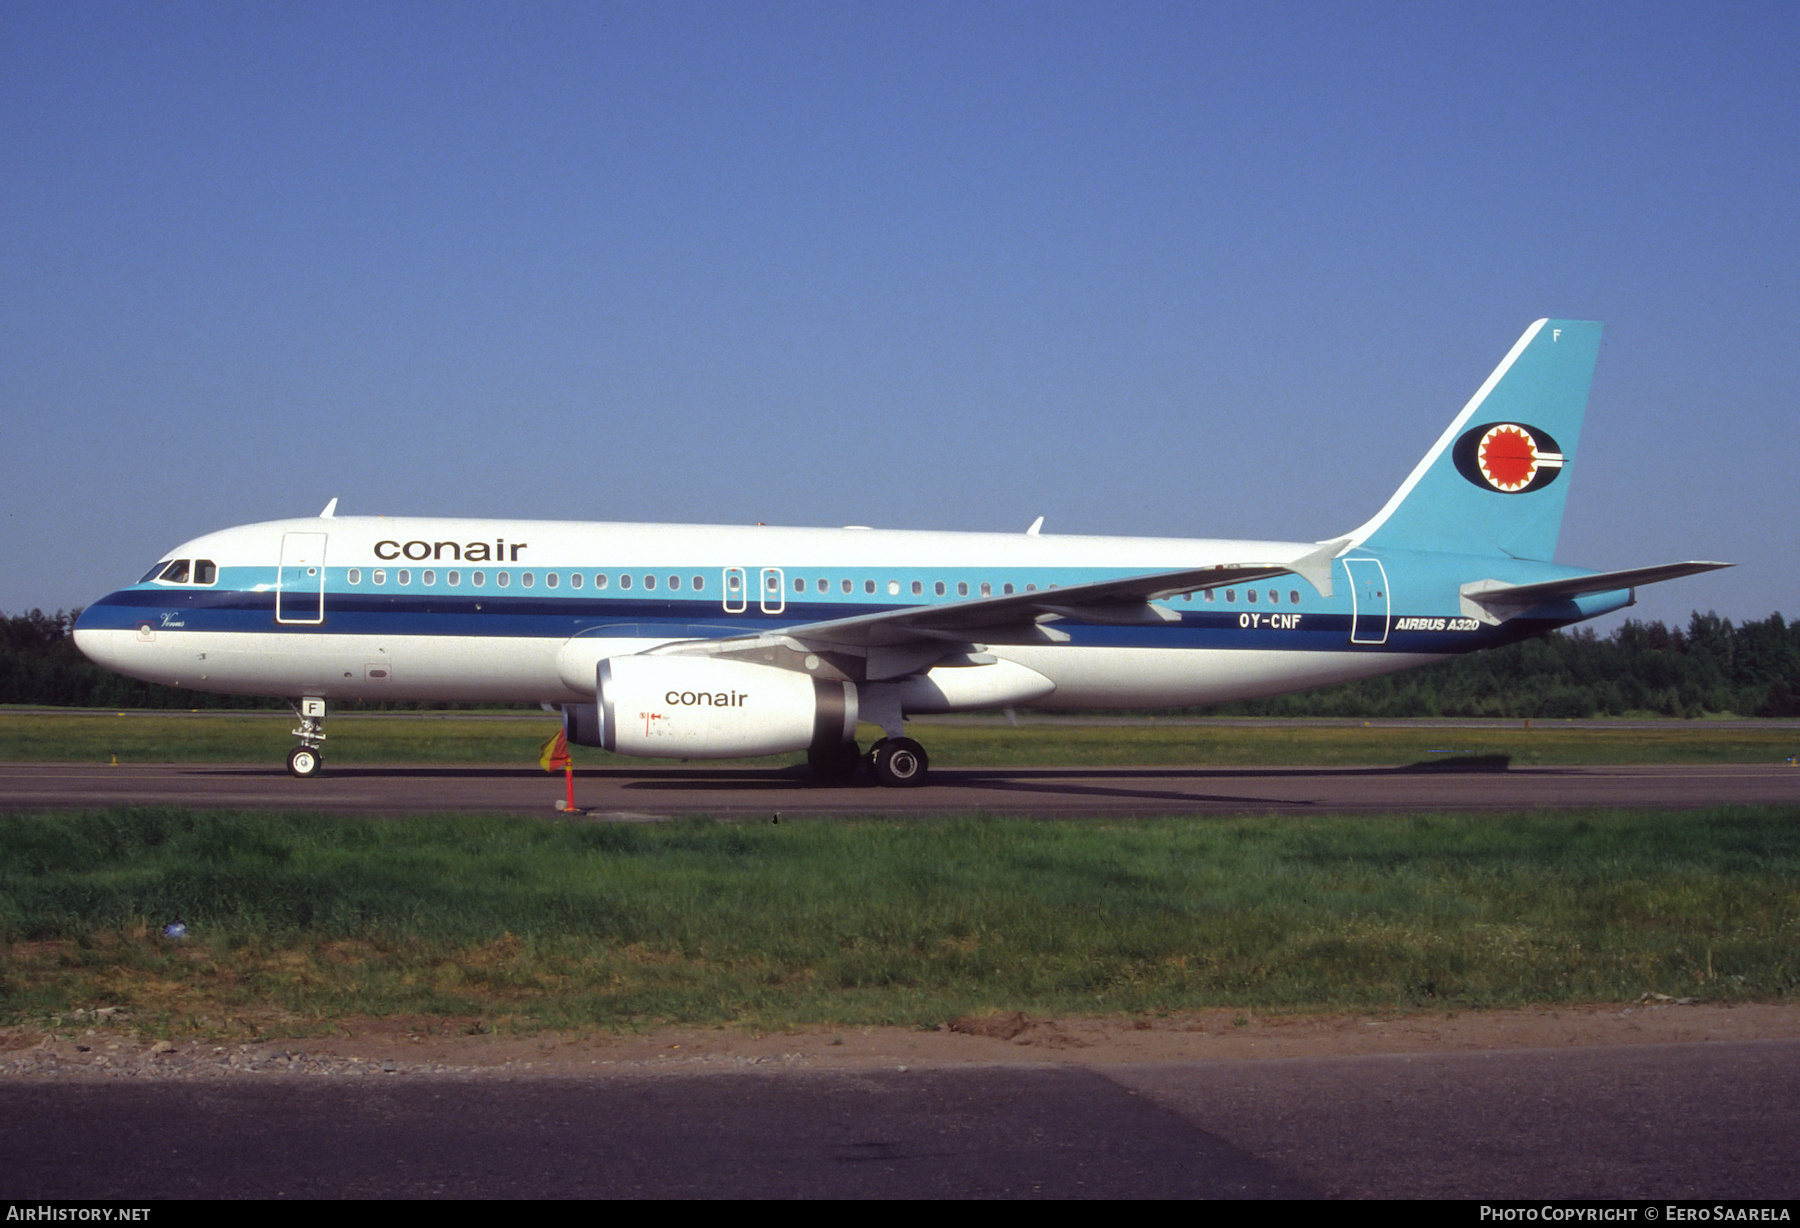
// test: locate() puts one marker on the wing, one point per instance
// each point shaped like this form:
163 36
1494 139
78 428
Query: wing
1107 601
896 642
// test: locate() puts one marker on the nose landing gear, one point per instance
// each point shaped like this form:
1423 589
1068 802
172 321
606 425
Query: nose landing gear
303 761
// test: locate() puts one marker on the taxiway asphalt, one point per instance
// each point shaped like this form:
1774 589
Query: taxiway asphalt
1681 1121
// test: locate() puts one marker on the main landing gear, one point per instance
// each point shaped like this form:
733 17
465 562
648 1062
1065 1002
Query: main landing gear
898 763
834 763
303 761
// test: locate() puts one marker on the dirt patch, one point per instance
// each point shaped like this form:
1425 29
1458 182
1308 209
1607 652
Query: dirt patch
385 1047
996 1027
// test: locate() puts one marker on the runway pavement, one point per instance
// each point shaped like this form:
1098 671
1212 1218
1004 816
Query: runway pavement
673 791
1681 1121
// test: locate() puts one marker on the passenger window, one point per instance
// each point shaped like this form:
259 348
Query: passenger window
1293 596
1231 594
824 585
204 571
962 588
938 588
847 586
503 578
575 579
918 588
799 585
649 581
674 581
525 578
600 580
379 575
353 576
699 584
478 578
176 572
869 587
1275 596
1007 589
453 579
1031 588
893 588
987 590
428 578
624 580
1209 594
550 580
1250 595
1187 596
405 576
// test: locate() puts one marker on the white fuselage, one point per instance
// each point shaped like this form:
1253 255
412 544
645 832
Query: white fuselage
521 611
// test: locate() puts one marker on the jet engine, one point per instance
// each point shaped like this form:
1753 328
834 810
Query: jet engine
706 708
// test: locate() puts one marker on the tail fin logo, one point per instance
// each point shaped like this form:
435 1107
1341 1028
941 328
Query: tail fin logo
1508 457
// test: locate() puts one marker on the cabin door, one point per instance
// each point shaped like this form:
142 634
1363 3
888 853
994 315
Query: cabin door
300 580
1368 601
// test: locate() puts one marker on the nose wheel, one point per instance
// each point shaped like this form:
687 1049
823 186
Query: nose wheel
303 761
898 763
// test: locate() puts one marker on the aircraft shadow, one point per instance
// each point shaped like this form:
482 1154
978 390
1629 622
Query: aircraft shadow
1162 786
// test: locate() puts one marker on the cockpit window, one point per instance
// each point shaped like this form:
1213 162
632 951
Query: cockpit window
184 571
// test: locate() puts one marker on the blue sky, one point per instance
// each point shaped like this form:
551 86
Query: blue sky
1185 270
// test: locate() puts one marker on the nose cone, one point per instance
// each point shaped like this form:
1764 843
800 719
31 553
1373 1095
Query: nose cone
83 630
97 634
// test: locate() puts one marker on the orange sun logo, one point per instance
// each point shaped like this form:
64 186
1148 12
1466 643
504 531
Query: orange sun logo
1508 456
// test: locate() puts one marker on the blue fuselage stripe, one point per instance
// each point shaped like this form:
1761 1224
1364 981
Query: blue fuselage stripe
560 617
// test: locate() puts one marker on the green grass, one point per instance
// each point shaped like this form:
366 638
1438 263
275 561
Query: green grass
301 921
243 738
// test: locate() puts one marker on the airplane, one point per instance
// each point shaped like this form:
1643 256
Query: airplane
694 642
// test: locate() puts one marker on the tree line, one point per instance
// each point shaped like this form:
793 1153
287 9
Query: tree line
1711 666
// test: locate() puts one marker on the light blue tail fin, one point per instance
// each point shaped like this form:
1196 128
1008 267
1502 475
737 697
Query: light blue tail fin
1495 481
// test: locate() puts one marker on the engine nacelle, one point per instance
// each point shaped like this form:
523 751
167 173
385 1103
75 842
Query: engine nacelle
705 708
581 724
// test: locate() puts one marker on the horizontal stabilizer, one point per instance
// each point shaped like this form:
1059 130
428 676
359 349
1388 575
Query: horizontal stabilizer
1493 601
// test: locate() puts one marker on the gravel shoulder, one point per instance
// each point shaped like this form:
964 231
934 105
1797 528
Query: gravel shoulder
398 1046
